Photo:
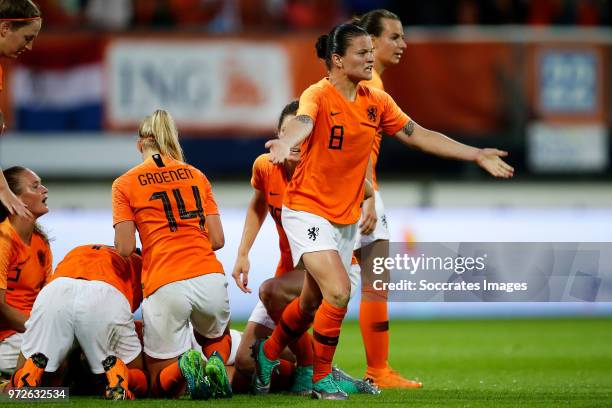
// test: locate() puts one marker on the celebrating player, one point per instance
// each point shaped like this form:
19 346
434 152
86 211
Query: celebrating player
91 298
25 262
321 206
172 206
269 182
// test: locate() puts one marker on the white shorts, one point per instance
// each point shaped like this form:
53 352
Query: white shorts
260 315
308 232
167 312
381 232
9 352
94 313
236 339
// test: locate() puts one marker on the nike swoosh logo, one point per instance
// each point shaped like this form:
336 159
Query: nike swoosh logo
273 194
335 113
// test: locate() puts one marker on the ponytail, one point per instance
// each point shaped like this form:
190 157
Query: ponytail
158 132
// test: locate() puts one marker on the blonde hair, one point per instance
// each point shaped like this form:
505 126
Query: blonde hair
158 132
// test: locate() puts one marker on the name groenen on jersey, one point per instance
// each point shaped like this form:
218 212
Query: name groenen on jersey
167 176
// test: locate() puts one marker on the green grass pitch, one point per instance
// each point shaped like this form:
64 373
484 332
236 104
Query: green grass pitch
464 363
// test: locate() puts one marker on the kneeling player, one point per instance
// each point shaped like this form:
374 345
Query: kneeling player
91 298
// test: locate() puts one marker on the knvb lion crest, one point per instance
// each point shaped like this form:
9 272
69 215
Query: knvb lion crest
313 233
372 113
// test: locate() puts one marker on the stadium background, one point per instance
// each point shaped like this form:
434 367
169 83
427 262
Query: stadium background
529 77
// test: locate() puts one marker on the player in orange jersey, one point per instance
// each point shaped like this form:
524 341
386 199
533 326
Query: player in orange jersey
336 123
20 22
388 41
90 298
269 182
172 205
25 262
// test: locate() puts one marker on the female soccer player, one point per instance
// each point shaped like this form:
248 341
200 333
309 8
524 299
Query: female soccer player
269 182
172 206
25 262
387 35
336 123
20 22
91 298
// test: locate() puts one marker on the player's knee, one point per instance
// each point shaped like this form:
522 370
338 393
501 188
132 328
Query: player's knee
339 296
272 296
266 291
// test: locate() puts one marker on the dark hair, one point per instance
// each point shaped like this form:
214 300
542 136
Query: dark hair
16 9
337 41
289 109
13 179
372 21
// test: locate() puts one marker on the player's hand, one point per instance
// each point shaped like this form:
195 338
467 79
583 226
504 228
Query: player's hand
13 204
279 151
491 161
241 273
368 221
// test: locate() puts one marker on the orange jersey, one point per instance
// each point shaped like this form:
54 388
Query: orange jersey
24 269
272 181
103 263
168 201
329 180
375 82
1 78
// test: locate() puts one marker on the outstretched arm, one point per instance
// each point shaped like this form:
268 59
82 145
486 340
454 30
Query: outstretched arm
298 128
437 144
256 214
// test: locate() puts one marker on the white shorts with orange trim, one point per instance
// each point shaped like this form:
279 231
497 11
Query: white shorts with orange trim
9 352
381 232
167 312
308 232
94 313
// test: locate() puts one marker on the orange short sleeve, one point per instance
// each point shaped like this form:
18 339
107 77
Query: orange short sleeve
309 102
393 119
210 205
258 178
122 211
6 250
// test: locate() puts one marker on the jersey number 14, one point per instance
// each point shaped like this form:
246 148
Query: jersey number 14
180 203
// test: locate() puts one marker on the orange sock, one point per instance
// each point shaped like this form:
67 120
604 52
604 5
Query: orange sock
374 324
282 376
138 382
302 348
222 345
169 382
326 332
293 323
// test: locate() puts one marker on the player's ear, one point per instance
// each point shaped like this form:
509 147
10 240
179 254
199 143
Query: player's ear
139 145
337 61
